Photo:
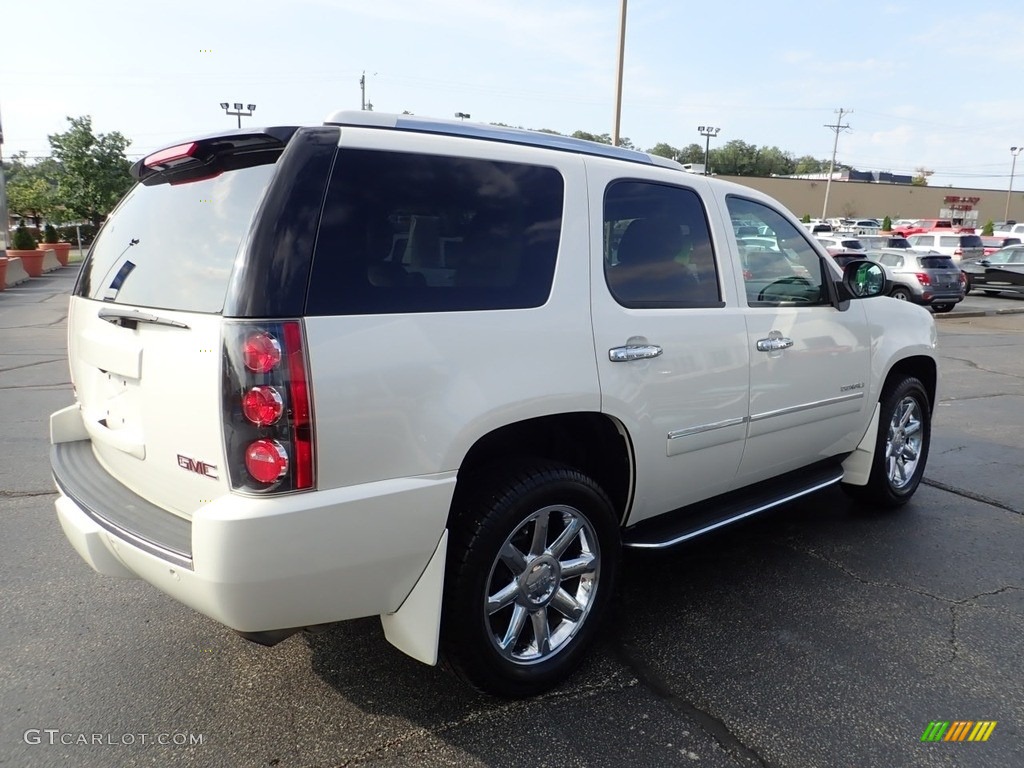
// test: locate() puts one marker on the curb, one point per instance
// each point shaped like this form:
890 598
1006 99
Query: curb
979 313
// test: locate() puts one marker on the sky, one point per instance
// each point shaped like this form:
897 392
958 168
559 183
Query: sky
930 84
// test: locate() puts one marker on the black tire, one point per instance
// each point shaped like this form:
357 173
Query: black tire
941 308
901 446
494 555
991 293
901 293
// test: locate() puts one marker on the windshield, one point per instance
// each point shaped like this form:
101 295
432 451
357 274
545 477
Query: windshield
172 246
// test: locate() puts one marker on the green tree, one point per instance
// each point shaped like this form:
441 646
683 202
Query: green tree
921 177
692 153
989 228
96 171
808 164
603 138
32 189
887 224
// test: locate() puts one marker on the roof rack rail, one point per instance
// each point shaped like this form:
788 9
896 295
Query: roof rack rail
365 118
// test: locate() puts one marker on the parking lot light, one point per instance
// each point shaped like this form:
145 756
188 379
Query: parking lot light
238 111
1013 166
708 132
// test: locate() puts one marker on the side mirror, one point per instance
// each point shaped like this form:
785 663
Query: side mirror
985 263
863 279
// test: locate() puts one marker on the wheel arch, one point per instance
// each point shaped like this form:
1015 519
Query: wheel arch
593 443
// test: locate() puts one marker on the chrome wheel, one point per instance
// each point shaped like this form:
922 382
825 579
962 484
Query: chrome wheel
542 584
904 442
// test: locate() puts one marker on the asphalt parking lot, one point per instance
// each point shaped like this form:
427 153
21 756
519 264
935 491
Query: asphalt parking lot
816 635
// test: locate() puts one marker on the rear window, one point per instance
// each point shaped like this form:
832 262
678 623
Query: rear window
172 246
405 232
937 262
970 241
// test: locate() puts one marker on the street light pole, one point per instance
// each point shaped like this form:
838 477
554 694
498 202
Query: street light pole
463 116
1013 166
618 78
707 132
4 218
238 111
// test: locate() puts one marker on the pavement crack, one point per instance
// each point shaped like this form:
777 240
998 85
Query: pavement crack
974 365
954 643
31 365
952 602
25 494
971 495
712 725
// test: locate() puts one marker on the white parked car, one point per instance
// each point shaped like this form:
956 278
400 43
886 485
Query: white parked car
443 373
955 245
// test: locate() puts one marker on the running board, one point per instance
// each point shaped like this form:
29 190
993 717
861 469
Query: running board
706 516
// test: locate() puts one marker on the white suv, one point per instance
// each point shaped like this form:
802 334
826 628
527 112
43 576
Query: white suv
443 373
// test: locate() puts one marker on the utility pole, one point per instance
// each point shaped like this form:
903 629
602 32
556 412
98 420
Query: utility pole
362 89
1013 166
835 146
618 79
4 219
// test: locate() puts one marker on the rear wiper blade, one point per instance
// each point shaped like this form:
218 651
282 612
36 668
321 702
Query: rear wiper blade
130 318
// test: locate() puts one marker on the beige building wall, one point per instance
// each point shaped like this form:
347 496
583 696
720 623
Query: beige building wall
866 199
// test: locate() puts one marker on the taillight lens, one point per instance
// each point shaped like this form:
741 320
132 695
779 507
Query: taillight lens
963 278
268 427
262 405
262 352
923 278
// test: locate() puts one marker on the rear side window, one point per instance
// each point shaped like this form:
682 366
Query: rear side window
172 246
657 247
404 232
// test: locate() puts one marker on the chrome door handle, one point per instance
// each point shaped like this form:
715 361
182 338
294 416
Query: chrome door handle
774 343
633 352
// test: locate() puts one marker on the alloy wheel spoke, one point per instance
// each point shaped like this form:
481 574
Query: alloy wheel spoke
567 605
503 597
585 563
566 537
513 559
514 629
541 631
540 534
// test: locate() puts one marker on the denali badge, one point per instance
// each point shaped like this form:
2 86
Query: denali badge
199 467
848 387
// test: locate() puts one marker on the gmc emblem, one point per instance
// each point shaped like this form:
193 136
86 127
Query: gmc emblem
199 467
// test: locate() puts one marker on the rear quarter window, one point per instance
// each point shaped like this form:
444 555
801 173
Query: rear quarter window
172 246
405 232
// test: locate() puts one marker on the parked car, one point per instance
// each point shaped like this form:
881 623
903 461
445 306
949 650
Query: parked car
1010 229
929 279
878 242
992 243
836 244
956 246
443 373
1002 271
925 225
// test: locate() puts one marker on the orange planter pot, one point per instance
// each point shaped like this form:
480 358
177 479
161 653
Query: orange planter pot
62 250
33 261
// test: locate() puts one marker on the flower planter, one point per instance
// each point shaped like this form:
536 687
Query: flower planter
32 261
3 272
62 250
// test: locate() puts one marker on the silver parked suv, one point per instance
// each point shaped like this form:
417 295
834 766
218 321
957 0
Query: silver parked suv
443 373
930 279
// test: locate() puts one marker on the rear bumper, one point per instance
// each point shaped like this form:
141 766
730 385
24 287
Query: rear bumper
259 564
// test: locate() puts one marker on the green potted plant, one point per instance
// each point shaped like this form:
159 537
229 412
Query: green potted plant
50 243
24 248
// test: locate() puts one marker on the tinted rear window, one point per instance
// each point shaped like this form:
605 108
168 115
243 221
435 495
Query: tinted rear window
404 232
970 241
937 262
172 246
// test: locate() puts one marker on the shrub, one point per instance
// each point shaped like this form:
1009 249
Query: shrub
49 234
23 240
887 224
806 219
989 227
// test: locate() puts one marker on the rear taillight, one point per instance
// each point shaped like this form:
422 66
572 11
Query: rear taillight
268 429
923 278
958 251
963 278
